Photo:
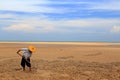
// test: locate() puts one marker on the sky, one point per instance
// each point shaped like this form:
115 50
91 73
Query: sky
60 20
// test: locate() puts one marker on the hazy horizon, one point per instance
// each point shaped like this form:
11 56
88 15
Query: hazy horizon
59 41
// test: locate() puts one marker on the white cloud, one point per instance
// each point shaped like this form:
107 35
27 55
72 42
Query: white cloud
32 6
29 6
28 28
45 25
92 22
20 27
115 29
108 5
6 16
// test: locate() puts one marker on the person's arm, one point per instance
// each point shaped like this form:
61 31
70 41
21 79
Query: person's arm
18 52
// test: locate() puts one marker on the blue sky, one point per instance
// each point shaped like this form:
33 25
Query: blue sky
60 20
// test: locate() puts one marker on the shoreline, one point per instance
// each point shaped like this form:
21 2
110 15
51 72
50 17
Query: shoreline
66 43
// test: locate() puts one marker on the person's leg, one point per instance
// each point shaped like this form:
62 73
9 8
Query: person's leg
23 68
29 68
23 63
28 63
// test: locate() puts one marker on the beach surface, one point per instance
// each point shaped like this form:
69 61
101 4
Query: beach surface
62 61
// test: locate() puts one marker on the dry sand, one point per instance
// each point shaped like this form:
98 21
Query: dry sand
62 61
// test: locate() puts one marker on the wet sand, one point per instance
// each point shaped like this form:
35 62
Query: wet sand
62 61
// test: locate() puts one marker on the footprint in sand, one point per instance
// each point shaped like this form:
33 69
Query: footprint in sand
94 54
3 59
68 57
18 69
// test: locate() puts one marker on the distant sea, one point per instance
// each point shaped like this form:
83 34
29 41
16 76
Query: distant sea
58 41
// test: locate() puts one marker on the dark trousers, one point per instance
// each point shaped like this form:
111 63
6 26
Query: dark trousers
25 62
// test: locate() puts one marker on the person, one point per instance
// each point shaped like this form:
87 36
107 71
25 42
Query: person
26 54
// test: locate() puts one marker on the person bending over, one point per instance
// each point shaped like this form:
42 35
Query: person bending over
26 53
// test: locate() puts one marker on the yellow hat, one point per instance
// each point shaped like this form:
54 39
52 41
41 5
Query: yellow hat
32 48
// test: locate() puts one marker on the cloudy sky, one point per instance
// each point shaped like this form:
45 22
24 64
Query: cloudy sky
60 20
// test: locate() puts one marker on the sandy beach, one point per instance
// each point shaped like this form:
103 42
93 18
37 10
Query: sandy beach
62 61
